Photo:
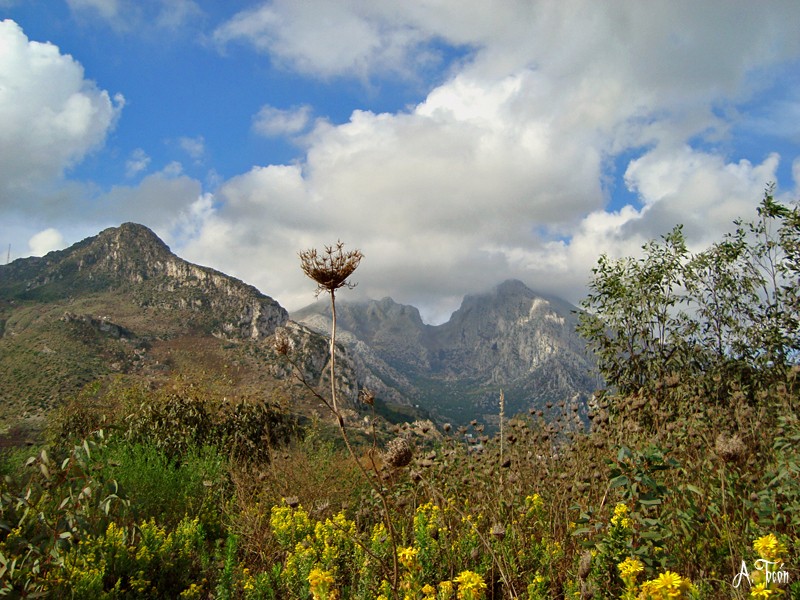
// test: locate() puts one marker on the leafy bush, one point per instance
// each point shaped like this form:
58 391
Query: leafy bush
163 488
723 319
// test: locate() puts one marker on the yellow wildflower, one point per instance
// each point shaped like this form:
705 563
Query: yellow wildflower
321 584
760 591
471 586
630 568
769 547
620 518
666 586
534 503
407 556
446 589
429 591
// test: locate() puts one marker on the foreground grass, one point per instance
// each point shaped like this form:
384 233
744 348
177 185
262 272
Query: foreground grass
545 511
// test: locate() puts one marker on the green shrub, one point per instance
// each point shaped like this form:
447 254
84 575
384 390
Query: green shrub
169 489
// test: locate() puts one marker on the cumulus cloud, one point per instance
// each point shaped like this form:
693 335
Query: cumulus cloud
506 166
52 115
45 241
274 122
159 201
503 169
106 9
332 38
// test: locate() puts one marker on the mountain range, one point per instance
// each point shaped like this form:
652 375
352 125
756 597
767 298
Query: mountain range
509 338
121 306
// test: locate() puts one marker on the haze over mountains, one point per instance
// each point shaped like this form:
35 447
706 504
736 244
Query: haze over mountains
121 304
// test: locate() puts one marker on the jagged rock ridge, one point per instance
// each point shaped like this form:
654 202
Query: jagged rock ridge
509 338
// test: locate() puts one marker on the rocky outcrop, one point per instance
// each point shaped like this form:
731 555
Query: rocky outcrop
505 334
132 259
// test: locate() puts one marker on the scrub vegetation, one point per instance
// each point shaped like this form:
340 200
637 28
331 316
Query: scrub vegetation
685 484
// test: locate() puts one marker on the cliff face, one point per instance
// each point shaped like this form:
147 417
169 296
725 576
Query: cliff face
509 338
505 334
133 260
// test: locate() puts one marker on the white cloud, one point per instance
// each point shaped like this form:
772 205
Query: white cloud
127 15
52 115
45 241
195 147
157 201
138 162
106 9
175 13
331 38
502 170
274 122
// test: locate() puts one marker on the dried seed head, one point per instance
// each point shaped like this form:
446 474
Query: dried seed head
332 268
498 531
731 448
367 397
398 453
282 343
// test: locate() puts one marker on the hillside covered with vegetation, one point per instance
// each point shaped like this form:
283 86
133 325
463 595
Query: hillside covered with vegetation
685 485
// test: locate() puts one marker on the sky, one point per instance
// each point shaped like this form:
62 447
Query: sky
456 143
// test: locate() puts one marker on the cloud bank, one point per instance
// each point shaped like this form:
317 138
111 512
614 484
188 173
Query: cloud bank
552 132
507 168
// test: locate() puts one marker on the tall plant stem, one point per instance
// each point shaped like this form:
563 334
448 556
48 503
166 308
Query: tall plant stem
340 420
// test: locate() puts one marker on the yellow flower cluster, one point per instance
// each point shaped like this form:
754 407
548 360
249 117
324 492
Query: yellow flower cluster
407 557
428 520
429 592
630 568
769 548
534 503
321 584
471 586
446 589
620 518
316 550
121 560
762 590
290 525
667 586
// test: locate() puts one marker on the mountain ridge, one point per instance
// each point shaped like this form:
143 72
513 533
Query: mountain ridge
508 337
121 303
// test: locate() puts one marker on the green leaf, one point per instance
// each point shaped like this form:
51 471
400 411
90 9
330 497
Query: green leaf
650 502
619 481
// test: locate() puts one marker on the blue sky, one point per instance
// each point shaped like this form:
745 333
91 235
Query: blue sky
456 143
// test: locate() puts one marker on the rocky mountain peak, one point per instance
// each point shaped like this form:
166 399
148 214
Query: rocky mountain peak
509 337
131 259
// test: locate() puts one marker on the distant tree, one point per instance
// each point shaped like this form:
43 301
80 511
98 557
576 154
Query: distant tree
728 315
630 318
